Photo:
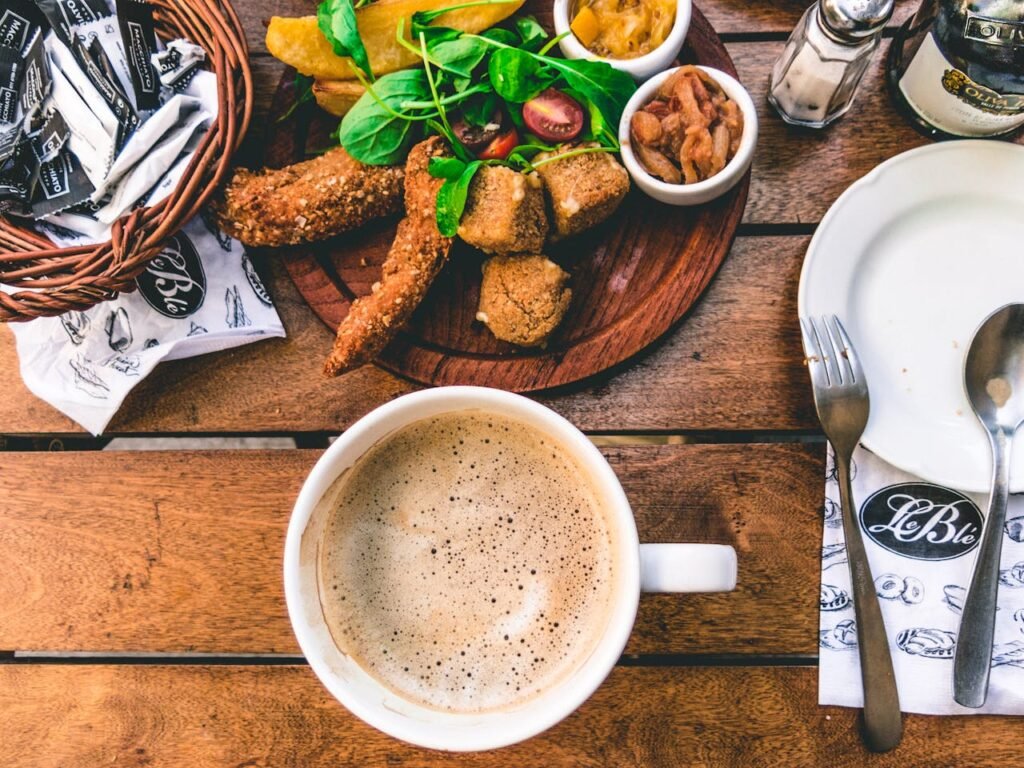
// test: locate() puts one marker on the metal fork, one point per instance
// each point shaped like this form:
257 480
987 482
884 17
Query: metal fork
841 398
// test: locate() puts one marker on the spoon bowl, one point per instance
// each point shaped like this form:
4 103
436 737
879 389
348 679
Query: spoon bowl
994 370
994 380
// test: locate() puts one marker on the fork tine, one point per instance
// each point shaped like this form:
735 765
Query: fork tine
831 323
813 353
851 355
829 352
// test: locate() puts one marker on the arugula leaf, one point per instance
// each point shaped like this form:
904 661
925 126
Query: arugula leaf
519 75
377 130
530 32
599 83
459 57
597 129
303 94
449 168
479 109
451 199
337 21
502 36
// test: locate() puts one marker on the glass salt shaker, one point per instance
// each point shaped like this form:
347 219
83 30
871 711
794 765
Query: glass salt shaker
816 78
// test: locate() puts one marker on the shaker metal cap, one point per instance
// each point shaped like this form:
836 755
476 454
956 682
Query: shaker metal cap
854 19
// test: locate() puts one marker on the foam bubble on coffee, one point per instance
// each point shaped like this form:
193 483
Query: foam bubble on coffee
467 562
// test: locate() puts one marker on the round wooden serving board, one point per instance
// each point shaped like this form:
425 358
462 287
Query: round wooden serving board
633 277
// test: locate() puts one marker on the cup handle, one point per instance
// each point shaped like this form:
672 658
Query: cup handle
687 568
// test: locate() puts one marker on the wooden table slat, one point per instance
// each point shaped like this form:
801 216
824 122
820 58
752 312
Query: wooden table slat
159 551
87 716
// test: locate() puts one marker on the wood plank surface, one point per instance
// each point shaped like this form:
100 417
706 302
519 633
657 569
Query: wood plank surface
153 716
734 363
181 551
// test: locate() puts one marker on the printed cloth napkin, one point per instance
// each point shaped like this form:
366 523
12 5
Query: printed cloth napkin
922 541
200 294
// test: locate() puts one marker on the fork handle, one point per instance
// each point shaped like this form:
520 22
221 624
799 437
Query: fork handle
973 661
883 722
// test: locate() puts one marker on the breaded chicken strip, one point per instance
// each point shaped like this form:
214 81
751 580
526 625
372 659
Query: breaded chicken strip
308 201
416 256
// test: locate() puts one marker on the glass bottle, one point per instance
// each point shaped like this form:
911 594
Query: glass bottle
815 80
956 68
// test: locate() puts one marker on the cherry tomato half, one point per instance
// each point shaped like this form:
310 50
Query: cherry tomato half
501 146
476 137
553 116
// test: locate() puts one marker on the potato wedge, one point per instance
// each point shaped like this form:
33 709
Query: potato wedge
337 96
299 42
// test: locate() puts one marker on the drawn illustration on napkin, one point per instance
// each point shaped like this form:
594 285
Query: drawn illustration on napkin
941 644
150 343
126 364
76 324
223 240
119 330
1013 576
832 471
922 521
833 598
832 513
174 282
195 329
87 380
841 637
954 596
236 317
909 590
832 554
254 281
1015 529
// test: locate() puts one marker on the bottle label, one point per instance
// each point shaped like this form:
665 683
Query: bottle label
948 99
994 31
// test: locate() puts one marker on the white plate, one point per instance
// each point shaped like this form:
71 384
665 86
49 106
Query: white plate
912 258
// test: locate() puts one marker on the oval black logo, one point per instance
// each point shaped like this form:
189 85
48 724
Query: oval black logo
922 521
174 283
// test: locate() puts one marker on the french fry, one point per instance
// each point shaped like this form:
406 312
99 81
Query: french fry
299 42
337 96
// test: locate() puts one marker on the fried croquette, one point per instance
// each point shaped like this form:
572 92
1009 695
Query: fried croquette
416 256
505 212
583 190
308 201
523 298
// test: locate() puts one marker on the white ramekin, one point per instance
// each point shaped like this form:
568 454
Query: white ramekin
642 67
702 191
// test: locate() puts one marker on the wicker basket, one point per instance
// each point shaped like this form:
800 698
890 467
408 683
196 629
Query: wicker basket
63 279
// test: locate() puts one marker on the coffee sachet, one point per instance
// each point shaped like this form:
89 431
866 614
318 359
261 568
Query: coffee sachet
19 22
63 15
99 70
12 68
138 33
61 183
178 64
17 170
49 140
36 82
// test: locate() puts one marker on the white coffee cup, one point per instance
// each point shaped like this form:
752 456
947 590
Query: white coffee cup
643 567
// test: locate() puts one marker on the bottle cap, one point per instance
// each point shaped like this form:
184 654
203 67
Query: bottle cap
854 19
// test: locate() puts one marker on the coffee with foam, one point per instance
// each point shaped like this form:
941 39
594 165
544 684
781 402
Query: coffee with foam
467 563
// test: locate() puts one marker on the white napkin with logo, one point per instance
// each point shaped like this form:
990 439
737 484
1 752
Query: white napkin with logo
922 541
200 294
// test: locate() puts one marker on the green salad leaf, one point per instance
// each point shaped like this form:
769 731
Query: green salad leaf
531 33
379 129
451 198
518 75
337 20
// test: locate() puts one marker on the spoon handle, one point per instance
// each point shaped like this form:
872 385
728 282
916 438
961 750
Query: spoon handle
883 723
977 623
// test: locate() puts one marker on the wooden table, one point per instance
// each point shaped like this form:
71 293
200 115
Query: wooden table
142 620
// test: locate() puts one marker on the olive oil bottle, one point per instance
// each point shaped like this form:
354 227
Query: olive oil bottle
956 68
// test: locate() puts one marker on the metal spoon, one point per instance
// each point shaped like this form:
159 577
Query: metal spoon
994 379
